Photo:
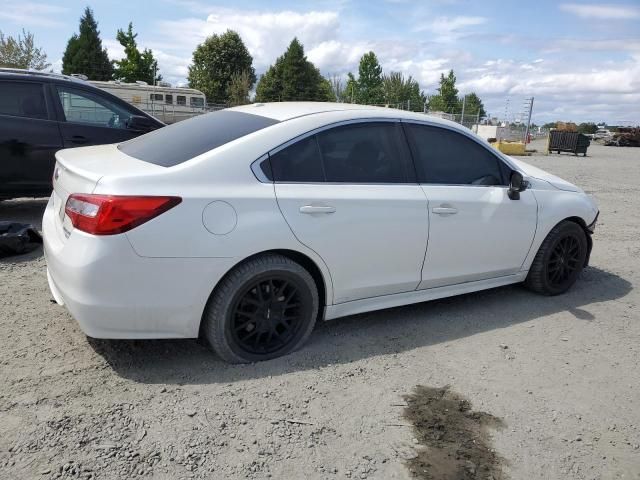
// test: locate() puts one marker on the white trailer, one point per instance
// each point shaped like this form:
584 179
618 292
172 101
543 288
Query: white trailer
168 104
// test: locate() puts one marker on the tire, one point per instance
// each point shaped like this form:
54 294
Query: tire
559 260
264 308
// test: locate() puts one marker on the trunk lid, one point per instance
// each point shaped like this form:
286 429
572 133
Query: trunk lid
79 170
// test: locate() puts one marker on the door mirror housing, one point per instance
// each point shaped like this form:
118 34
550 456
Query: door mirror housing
138 123
517 184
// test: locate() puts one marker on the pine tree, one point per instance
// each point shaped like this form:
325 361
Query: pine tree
136 65
84 53
447 98
370 91
293 78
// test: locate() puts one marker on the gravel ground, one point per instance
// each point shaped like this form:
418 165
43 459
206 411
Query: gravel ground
560 375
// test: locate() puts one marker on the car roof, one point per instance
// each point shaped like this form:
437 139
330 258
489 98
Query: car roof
19 73
283 111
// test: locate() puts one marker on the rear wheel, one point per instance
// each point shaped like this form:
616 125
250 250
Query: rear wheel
263 309
559 261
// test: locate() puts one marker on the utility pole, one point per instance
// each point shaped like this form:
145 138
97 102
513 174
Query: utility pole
464 101
526 133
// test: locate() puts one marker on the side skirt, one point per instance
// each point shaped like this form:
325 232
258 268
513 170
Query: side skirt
417 296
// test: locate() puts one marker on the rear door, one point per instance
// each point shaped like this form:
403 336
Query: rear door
349 193
29 138
88 118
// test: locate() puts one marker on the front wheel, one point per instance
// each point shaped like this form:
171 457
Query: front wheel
264 308
559 260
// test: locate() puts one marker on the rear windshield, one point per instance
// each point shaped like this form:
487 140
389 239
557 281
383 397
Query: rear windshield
177 143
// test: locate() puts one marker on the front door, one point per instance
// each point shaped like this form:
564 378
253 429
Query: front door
90 119
476 231
349 194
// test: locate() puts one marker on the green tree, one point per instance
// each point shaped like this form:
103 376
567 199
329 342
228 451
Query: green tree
473 105
136 65
84 53
550 125
370 86
21 52
402 92
216 61
293 78
239 87
351 91
446 100
588 127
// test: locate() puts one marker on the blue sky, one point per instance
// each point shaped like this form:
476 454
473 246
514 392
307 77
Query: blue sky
580 60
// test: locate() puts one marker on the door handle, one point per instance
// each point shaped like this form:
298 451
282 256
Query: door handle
78 139
444 210
317 209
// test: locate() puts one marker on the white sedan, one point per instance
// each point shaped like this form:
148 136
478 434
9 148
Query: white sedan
248 225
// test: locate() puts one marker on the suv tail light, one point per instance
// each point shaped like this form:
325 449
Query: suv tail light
112 214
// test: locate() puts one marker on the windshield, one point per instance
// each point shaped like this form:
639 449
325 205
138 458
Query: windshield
187 139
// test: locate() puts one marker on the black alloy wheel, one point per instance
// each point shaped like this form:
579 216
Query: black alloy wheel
564 261
268 315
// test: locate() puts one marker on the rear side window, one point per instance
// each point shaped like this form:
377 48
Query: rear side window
443 156
357 153
299 162
181 141
22 99
364 153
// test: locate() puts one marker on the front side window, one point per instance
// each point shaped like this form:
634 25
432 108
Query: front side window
84 107
355 153
22 99
443 156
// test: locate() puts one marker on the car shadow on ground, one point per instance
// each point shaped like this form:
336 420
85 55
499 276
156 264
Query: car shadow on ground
353 338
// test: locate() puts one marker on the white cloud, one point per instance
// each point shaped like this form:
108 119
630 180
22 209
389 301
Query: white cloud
31 14
449 29
603 12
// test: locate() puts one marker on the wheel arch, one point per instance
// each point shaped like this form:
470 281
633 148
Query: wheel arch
304 260
580 221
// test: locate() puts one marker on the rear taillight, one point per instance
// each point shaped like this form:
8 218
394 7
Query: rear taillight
112 214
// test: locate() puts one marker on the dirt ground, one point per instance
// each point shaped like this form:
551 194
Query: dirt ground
560 375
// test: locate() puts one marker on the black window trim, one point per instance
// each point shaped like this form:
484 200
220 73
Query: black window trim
259 174
492 151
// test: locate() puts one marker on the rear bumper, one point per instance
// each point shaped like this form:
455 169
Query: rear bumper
114 293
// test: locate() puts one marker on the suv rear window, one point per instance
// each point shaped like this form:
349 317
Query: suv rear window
177 143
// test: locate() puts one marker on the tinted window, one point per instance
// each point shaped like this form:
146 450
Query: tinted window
184 140
84 107
181 100
155 96
364 153
299 162
443 156
22 100
197 102
168 99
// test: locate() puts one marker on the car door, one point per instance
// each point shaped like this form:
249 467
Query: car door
29 138
476 231
88 118
349 193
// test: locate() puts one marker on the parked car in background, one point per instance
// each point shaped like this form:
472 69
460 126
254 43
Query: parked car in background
602 133
247 225
41 113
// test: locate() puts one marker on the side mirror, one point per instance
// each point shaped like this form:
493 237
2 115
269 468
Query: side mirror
516 185
138 123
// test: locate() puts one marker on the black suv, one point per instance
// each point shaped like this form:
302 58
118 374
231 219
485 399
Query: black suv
41 113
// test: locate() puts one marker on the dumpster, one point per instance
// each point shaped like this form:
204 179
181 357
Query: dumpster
563 141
